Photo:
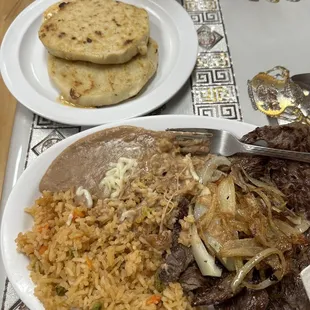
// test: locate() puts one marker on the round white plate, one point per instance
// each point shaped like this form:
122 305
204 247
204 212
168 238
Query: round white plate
24 67
24 193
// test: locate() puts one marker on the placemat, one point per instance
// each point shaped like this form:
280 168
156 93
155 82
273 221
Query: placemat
213 89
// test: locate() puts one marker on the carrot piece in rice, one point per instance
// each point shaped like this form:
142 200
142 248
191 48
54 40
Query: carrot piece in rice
43 227
89 263
154 299
42 249
77 214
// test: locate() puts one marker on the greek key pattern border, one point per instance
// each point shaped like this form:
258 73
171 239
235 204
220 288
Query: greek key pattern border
213 83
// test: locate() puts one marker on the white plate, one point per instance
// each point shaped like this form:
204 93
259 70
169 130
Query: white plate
26 191
24 69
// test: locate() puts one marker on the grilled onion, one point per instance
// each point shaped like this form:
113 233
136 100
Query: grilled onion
242 273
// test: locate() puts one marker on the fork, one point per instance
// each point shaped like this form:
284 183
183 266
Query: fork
224 143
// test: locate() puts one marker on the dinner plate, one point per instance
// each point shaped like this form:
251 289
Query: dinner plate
26 190
23 60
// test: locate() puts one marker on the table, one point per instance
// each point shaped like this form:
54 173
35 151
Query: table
8 10
247 37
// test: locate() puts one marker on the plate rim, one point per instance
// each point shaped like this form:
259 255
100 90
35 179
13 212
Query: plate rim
41 105
161 120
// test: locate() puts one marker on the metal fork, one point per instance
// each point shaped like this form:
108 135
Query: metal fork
224 143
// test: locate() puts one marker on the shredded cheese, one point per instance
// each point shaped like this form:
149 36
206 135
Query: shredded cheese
116 178
82 191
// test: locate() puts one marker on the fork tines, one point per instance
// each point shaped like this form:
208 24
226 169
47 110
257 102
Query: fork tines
200 132
192 140
192 137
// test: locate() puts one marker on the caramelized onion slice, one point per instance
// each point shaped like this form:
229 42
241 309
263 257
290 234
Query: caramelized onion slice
286 229
227 196
211 165
242 273
204 260
263 185
303 226
248 247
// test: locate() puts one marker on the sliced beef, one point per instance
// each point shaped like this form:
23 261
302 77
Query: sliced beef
277 304
293 137
181 256
301 255
175 263
289 293
183 209
191 279
247 299
255 166
216 294
292 178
